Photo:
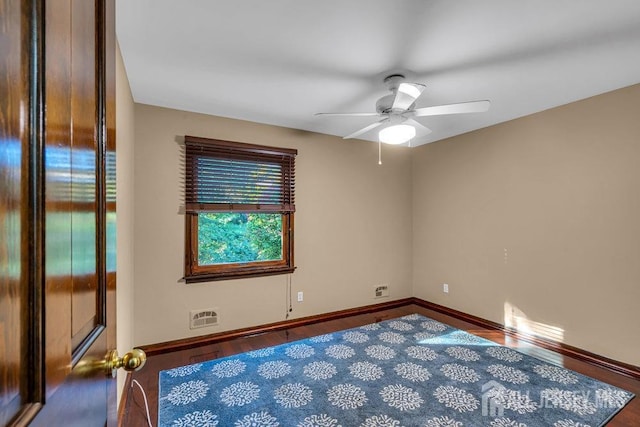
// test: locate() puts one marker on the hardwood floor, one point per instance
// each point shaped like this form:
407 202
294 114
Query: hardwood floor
133 411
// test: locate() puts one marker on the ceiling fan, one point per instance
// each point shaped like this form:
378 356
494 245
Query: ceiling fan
397 111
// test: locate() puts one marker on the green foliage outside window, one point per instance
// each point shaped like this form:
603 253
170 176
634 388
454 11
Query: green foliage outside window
239 237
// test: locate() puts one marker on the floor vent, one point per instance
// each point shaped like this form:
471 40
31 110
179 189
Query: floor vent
382 291
203 318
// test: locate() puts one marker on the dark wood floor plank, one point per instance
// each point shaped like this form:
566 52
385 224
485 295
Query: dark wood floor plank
134 412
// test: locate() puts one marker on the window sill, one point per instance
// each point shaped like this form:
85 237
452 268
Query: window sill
241 274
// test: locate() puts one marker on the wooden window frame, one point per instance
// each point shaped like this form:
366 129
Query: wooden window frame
204 273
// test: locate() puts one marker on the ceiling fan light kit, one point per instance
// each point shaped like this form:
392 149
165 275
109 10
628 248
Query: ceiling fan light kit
397 134
397 111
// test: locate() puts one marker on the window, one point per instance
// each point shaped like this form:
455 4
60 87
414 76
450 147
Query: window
239 201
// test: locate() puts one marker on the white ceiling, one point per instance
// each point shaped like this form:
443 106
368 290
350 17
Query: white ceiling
281 61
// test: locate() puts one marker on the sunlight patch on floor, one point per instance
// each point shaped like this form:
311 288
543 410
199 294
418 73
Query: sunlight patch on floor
516 319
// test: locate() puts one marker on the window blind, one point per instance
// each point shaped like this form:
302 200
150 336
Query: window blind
224 176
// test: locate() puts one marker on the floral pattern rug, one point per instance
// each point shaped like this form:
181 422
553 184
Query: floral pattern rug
409 371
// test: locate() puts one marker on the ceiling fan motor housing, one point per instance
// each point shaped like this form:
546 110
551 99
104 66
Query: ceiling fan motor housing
384 105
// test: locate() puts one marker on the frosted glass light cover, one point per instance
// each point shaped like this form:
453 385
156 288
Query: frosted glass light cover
398 134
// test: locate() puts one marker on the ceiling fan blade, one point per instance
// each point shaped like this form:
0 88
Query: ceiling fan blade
460 108
421 130
365 129
406 95
347 114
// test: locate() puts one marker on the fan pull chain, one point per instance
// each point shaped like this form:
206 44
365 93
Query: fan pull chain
379 152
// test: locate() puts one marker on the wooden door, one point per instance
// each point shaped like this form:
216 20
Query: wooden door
57 212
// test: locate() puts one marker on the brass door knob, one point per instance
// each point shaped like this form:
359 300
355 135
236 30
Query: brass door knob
131 361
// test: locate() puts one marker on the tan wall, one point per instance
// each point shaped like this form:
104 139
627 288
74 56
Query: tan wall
540 215
352 227
124 203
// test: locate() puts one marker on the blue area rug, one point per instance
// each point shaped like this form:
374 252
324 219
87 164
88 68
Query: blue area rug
410 371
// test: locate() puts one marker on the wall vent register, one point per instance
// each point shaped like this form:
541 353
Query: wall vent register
382 291
203 318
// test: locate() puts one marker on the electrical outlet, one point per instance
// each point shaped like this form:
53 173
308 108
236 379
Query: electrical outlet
300 296
445 288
